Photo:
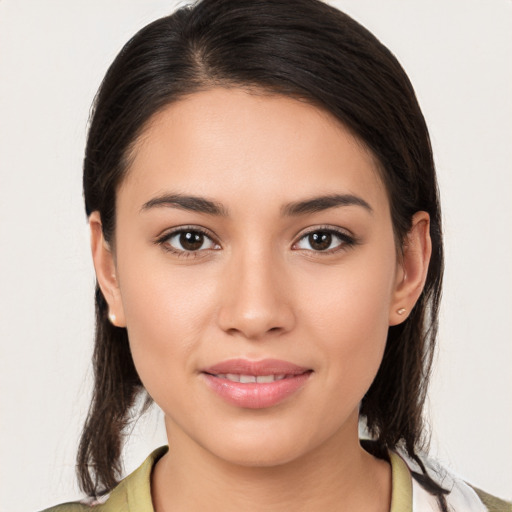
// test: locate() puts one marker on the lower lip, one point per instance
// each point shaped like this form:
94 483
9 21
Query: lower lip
255 395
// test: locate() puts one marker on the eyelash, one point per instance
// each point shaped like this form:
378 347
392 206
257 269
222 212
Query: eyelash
346 241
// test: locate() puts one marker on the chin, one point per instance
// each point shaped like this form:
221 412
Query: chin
259 456
263 447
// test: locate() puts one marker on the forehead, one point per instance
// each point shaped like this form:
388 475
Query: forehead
237 144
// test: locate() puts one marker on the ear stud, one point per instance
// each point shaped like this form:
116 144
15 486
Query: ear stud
112 318
401 311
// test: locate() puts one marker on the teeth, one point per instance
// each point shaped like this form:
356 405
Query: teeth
265 378
244 379
247 379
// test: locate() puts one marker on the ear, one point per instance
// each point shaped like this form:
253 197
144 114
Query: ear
412 268
105 267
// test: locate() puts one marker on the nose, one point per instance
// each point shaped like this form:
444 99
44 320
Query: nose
256 297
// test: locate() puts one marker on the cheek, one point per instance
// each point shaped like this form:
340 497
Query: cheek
350 299
347 312
158 293
166 310
354 329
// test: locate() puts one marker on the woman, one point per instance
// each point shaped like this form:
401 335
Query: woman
267 242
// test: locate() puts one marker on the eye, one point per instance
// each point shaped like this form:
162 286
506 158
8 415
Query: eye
324 240
188 240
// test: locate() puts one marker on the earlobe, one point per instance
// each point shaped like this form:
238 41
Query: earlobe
413 268
105 268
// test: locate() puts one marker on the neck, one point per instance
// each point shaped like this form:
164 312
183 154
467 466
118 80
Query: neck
339 475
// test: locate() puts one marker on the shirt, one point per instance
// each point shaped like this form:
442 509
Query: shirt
133 493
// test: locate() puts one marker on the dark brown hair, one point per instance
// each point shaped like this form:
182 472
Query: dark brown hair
299 48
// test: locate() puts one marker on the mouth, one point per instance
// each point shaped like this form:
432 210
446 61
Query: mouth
247 379
256 384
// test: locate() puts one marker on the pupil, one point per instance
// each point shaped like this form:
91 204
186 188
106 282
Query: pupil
320 240
191 241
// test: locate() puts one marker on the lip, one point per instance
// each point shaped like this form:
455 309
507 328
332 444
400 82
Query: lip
256 395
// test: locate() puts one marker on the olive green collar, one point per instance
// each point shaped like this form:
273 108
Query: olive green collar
133 494
401 486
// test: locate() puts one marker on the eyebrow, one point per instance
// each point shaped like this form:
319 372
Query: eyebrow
210 207
318 204
190 203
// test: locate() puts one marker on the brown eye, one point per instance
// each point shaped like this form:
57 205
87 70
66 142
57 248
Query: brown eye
320 241
189 240
324 240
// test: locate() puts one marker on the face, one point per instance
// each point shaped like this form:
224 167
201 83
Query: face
256 272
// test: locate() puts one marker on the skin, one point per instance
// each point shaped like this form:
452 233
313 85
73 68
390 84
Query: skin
257 289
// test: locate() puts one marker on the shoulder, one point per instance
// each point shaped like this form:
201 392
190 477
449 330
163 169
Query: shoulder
132 493
68 507
460 495
493 503
86 505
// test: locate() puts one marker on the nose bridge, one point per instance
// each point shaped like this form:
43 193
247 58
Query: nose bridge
255 300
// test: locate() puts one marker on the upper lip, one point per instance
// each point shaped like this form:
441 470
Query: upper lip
256 368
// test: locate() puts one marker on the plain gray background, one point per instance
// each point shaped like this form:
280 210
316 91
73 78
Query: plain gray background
53 55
